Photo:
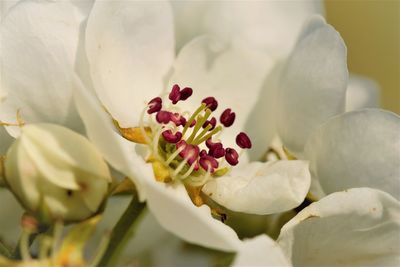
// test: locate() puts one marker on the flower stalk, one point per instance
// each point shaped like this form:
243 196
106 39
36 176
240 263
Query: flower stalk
122 232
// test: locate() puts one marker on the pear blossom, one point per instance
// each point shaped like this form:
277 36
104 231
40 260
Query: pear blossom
166 127
67 179
128 48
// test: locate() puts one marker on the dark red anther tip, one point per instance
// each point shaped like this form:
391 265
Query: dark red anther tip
227 117
243 140
215 149
174 95
203 152
171 137
190 152
163 116
231 156
208 163
177 119
210 102
155 105
212 121
186 93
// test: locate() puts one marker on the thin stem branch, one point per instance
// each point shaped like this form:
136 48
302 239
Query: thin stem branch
122 232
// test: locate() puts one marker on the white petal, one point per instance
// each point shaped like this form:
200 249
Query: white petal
355 228
175 211
261 123
357 149
361 93
313 84
233 75
5 6
38 50
130 48
260 251
270 26
119 152
262 188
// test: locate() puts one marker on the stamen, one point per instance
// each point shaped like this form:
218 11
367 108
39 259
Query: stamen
215 149
188 172
231 156
171 137
199 124
192 118
163 116
190 152
208 163
227 117
155 143
174 94
174 155
210 102
207 136
243 141
202 133
186 93
212 122
155 105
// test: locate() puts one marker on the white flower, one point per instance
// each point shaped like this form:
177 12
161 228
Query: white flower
356 227
64 179
128 65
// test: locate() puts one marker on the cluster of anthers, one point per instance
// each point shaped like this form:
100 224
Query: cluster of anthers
187 144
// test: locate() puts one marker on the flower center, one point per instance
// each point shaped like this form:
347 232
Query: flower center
187 143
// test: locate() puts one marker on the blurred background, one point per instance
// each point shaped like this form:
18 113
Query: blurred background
371 31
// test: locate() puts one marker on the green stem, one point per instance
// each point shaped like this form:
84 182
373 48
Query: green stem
5 251
122 232
16 255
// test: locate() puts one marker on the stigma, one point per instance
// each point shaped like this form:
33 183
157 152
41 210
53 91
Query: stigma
186 144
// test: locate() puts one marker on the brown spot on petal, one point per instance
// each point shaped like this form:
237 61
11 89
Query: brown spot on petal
134 134
195 194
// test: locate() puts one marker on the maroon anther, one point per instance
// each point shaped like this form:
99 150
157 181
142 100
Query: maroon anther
208 163
231 156
171 137
177 119
183 121
203 153
243 140
227 117
213 123
175 94
210 102
186 93
216 150
155 105
193 123
190 152
163 116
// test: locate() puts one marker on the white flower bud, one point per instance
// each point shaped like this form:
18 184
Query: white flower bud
56 173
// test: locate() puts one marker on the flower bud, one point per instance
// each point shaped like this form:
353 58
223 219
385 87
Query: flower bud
56 173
